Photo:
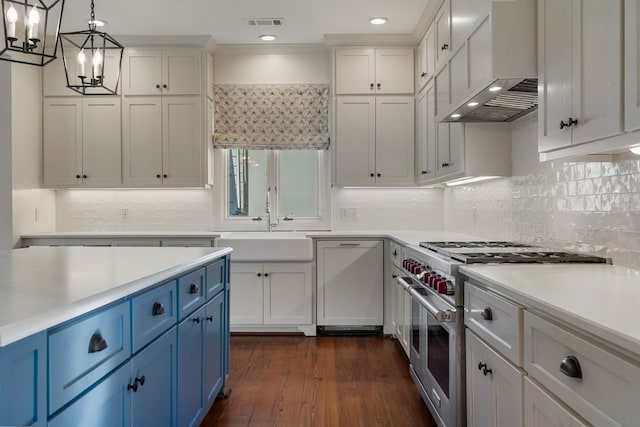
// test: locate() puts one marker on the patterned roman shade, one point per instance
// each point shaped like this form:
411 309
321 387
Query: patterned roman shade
272 117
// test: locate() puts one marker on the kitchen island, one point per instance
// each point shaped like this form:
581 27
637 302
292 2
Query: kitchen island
84 329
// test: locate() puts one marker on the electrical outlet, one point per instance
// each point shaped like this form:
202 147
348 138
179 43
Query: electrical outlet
124 215
37 216
349 214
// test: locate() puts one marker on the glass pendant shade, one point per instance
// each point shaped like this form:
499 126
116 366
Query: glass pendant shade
92 60
30 30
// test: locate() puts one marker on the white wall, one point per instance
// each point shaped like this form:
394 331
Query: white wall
591 207
5 156
26 109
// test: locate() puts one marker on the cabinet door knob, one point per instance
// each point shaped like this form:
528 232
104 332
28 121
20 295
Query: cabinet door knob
97 343
157 86
77 176
266 274
371 85
487 314
570 122
424 172
193 289
133 386
423 75
259 274
196 320
210 318
165 175
158 309
85 176
379 175
164 86
378 85
140 380
571 367
444 47
372 175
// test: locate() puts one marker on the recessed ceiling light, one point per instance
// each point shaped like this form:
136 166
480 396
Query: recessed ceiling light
635 150
378 20
267 37
456 116
472 104
495 88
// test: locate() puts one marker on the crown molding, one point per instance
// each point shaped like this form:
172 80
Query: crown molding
331 40
271 48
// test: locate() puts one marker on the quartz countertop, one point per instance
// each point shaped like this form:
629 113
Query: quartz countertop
601 299
407 237
41 287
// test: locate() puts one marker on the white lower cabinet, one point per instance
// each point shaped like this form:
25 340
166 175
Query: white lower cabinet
272 294
543 410
494 387
350 283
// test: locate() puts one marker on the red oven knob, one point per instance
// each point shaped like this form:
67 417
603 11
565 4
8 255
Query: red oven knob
417 268
432 281
442 286
425 278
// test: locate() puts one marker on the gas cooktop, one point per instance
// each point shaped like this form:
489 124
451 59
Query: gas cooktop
473 244
545 257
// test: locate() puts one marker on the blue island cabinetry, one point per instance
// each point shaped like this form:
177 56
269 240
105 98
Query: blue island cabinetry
158 357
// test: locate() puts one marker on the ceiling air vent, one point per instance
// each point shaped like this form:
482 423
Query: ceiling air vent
265 22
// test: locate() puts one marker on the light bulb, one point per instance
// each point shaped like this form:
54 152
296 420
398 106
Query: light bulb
82 59
12 18
97 64
34 20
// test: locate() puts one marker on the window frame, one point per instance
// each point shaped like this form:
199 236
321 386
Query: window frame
224 221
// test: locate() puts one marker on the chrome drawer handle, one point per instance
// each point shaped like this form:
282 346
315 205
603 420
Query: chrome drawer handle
97 343
158 309
487 314
571 367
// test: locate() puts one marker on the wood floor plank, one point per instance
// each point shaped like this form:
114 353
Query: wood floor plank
318 381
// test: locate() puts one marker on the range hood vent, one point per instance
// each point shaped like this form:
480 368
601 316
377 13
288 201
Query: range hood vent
516 98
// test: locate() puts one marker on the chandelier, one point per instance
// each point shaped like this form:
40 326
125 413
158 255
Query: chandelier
92 59
30 30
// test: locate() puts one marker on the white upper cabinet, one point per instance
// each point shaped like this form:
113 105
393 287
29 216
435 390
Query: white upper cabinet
81 142
580 67
374 140
426 138
374 71
632 70
442 29
162 141
426 58
153 71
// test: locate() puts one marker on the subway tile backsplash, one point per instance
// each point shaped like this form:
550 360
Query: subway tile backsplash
586 206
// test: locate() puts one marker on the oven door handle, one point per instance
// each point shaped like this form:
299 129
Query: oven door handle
444 316
405 285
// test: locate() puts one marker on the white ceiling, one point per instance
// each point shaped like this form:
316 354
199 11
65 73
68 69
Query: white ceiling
305 21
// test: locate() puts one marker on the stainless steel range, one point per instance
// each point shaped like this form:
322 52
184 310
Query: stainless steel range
437 326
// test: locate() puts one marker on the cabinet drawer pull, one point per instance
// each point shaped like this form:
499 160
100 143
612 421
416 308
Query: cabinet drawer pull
350 244
487 314
193 289
571 367
158 309
97 343
570 122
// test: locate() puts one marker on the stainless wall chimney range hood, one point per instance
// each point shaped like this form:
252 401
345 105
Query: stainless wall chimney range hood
492 72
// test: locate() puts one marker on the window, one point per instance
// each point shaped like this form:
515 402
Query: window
292 183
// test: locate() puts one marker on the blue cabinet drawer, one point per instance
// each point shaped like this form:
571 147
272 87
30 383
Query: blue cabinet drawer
84 351
107 405
152 313
191 289
215 278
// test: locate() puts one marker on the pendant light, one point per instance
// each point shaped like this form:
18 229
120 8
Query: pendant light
30 30
92 60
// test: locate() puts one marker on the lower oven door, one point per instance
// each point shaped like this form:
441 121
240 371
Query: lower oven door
435 358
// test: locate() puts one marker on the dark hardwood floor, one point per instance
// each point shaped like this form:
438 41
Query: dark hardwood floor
322 381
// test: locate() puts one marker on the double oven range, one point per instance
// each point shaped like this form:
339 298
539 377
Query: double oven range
437 344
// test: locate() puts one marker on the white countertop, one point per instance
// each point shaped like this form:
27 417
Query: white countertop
407 237
41 287
603 300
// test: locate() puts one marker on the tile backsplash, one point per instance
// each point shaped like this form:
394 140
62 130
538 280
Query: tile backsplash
586 206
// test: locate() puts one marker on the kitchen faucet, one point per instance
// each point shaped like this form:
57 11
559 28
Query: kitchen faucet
267 210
